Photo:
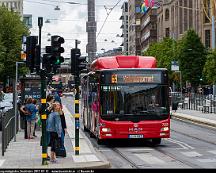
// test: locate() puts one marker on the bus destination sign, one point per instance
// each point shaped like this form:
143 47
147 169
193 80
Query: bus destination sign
136 78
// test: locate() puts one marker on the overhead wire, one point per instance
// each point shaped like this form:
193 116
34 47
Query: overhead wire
66 2
111 9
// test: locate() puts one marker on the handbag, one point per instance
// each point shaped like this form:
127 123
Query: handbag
60 149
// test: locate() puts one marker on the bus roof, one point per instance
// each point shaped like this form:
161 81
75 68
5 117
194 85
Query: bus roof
123 61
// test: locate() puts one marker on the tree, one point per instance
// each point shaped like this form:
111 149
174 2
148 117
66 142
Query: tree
11 31
209 70
164 52
192 57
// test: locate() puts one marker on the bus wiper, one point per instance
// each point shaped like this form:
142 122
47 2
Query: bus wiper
147 112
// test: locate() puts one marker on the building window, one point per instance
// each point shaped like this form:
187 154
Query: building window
167 32
207 38
167 15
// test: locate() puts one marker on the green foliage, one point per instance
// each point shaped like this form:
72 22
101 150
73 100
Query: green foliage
209 70
164 52
11 31
192 57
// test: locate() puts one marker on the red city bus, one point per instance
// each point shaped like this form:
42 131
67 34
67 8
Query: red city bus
126 97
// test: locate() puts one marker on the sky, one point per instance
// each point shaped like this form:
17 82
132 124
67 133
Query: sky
70 22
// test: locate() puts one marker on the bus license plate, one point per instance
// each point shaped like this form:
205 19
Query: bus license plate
135 136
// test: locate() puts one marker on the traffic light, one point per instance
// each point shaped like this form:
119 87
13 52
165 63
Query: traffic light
31 42
78 63
56 50
47 62
74 53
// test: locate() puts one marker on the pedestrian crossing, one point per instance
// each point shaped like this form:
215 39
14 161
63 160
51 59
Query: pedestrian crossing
183 156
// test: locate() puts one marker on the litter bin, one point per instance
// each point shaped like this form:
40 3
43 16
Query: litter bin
174 106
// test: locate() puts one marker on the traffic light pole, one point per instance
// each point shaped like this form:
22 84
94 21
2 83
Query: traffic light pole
77 115
43 98
43 117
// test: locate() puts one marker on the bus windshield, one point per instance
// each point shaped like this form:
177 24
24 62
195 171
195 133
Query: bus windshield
147 101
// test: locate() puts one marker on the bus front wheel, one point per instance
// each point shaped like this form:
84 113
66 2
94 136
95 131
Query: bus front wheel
99 141
85 129
156 141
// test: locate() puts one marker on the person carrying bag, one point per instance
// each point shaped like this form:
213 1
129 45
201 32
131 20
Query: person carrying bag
60 150
54 127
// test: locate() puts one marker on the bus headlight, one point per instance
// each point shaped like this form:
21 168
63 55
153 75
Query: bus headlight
105 129
164 129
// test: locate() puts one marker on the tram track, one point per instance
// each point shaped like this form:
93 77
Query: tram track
132 164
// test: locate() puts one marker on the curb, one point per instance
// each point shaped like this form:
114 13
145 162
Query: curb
90 165
203 121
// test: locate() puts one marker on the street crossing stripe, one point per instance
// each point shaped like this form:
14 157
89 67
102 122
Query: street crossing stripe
43 101
44 117
76 101
76 115
44 155
76 148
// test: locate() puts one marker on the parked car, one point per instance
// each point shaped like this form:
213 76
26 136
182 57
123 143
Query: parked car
5 105
7 102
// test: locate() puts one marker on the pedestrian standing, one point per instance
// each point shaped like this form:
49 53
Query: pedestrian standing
23 114
55 128
34 101
61 151
49 109
31 118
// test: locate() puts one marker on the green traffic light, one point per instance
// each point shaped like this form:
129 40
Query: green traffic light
57 62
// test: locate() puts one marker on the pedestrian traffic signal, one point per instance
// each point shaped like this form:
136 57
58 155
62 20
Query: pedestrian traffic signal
31 42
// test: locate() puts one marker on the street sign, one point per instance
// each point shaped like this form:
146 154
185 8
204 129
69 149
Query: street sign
174 66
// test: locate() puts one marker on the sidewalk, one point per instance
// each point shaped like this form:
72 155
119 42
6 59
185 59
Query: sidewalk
27 153
195 116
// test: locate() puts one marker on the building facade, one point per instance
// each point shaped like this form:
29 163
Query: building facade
148 28
209 10
134 14
124 27
14 5
175 17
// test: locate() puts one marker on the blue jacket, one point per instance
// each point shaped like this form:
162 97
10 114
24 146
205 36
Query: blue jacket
54 123
57 97
33 110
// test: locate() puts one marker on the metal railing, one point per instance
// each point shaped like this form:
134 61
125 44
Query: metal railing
8 131
197 102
